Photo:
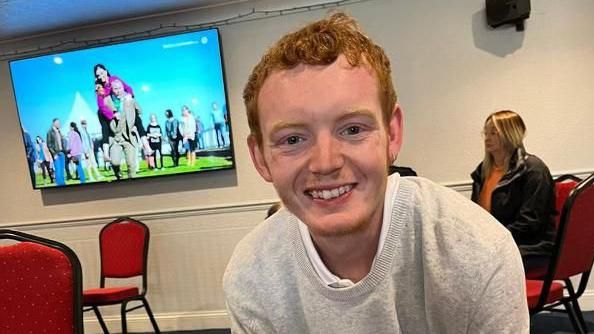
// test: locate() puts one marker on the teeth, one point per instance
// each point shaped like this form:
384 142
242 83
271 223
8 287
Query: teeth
330 193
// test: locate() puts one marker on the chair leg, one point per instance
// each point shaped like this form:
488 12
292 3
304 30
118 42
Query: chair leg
576 305
580 315
573 318
100 319
124 324
151 316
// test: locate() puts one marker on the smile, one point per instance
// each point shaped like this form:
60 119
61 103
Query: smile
327 194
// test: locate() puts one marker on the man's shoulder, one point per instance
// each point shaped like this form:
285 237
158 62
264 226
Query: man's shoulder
263 251
445 215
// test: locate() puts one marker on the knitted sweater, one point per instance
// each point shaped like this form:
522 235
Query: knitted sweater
446 266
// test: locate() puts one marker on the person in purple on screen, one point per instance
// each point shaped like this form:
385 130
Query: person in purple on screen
105 81
75 150
103 86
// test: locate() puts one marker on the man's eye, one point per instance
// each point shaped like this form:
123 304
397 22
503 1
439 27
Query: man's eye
292 140
352 130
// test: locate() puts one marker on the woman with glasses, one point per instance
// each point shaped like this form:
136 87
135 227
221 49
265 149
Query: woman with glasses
516 188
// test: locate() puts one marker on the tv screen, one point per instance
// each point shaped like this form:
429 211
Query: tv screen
140 109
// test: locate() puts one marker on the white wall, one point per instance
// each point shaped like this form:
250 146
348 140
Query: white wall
451 71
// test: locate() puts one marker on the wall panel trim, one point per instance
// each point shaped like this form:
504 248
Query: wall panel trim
460 186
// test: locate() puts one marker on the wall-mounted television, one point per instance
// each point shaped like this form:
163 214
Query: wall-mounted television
139 109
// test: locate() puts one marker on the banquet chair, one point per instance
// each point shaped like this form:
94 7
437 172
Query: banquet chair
573 256
124 251
40 285
564 184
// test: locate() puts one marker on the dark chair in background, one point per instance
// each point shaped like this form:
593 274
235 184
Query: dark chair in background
124 253
402 170
573 255
40 286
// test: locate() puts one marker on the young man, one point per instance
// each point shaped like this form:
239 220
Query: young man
354 251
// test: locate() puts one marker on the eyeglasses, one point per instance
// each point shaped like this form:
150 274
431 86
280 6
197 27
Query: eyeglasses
489 133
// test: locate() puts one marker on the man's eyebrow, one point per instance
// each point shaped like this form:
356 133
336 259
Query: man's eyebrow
358 113
350 114
284 125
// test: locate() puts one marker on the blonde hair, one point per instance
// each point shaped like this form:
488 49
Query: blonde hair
511 131
320 43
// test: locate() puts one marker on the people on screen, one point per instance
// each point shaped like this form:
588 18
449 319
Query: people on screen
105 92
154 135
44 159
75 151
56 145
219 119
188 132
30 152
88 145
125 138
172 129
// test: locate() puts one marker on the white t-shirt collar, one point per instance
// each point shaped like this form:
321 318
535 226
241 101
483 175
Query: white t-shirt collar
327 277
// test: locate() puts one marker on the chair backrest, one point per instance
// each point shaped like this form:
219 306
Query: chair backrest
40 286
564 184
124 249
574 251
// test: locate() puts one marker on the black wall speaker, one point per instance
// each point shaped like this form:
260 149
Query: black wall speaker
501 12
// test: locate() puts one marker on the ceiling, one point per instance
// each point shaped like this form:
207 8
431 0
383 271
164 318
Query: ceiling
23 18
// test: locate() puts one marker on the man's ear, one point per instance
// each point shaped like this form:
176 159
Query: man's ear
258 158
395 132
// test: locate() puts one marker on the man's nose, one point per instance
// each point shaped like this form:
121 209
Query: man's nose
327 156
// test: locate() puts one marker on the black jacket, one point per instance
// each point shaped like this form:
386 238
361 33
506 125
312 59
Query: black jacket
524 202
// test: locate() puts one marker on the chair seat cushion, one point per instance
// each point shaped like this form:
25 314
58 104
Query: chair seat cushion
534 287
100 296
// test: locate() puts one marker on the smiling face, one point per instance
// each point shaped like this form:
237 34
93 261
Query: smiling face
325 146
118 88
101 74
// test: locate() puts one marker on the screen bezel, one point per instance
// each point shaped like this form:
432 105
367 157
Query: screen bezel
127 41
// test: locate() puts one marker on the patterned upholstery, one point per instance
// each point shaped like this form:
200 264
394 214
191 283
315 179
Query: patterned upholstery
122 249
106 296
36 290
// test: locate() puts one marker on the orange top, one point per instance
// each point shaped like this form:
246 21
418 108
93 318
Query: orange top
488 186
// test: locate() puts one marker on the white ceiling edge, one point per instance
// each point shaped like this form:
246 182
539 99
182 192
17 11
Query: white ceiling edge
120 21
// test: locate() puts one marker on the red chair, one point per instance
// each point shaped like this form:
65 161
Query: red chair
564 184
40 286
573 255
124 252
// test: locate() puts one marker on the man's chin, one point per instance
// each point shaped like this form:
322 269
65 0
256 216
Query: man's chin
332 229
